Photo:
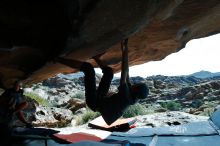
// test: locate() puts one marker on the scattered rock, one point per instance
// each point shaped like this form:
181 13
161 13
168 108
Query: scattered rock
74 104
167 119
52 117
29 113
160 110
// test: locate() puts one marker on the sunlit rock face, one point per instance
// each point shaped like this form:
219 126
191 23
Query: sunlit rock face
33 33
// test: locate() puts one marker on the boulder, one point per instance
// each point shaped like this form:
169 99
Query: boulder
73 104
52 117
33 33
29 113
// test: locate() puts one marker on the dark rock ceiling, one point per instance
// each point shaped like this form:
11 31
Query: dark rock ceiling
34 32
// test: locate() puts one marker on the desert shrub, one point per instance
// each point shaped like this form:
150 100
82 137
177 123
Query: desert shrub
171 105
87 116
37 98
197 103
79 95
134 110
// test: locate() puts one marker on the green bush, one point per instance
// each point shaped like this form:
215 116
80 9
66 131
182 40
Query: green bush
171 105
79 95
197 103
134 110
87 116
37 98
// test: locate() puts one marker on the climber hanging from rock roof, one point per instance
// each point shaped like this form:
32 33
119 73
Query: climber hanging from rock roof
110 107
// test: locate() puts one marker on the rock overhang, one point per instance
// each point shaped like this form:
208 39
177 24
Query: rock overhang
34 32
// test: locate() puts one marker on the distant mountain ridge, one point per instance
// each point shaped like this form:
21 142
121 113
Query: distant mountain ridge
185 78
205 74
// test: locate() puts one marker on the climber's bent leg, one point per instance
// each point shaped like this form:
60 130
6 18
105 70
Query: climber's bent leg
105 82
90 85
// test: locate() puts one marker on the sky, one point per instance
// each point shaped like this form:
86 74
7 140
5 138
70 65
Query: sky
198 54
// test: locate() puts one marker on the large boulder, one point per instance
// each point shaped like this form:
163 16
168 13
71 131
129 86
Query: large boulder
74 104
28 112
34 32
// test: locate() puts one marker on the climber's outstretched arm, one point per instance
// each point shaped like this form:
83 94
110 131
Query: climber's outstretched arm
124 64
124 82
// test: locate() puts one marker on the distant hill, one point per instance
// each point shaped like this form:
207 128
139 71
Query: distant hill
205 74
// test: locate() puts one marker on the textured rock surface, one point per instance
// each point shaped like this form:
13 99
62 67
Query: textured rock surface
29 113
167 119
60 92
52 117
33 33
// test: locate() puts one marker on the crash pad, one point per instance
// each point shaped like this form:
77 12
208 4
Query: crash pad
120 125
75 137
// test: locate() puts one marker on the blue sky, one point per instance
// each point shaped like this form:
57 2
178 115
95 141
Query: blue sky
198 54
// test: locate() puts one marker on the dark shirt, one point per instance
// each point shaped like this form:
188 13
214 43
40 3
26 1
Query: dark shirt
112 108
